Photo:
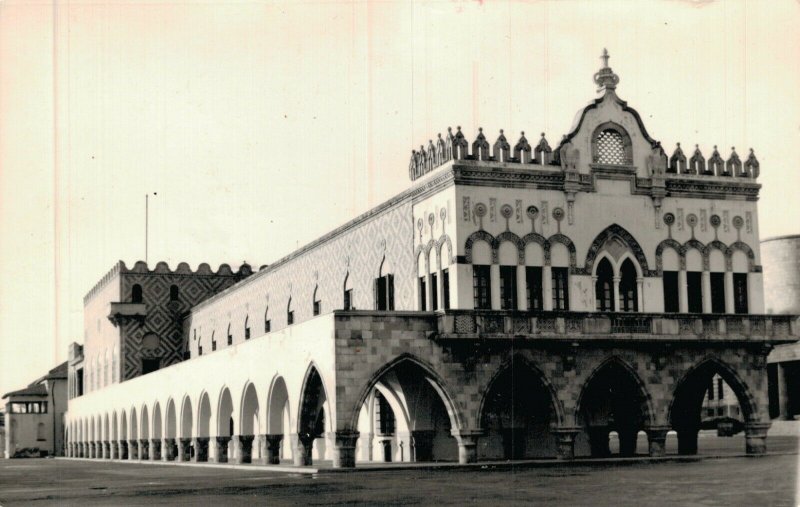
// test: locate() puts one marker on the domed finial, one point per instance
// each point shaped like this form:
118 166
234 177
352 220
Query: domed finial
542 134
501 131
605 78
522 133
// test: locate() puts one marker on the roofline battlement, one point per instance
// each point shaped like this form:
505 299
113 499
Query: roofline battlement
162 268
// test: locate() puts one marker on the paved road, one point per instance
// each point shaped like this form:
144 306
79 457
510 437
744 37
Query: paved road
762 481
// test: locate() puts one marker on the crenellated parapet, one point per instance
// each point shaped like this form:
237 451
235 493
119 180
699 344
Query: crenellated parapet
454 147
162 268
715 166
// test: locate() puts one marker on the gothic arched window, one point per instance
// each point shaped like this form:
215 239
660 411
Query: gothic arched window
628 297
604 287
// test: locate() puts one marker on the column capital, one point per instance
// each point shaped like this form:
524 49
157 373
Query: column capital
468 433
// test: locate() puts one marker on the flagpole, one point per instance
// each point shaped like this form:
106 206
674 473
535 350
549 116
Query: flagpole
146 223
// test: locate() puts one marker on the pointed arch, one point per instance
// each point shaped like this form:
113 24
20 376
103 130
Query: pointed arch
512 363
616 361
171 426
224 412
714 245
608 233
187 418
435 380
313 395
707 367
249 410
277 401
479 235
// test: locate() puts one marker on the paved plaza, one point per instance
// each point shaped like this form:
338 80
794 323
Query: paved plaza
725 479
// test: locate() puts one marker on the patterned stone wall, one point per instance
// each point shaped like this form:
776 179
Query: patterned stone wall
165 317
357 252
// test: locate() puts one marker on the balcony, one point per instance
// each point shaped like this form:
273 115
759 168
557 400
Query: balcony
119 312
490 324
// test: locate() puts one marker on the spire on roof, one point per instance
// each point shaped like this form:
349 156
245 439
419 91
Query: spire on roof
605 78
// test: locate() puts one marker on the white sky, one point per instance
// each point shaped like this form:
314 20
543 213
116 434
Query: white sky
262 125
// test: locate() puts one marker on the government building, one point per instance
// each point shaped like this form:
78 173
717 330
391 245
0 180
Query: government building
516 301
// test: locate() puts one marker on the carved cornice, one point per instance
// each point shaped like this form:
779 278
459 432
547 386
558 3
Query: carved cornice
706 188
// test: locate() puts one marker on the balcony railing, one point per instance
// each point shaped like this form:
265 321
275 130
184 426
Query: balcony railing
459 324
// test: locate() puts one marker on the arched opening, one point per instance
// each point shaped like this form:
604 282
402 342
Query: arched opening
144 434
410 397
41 434
170 432
384 286
316 304
694 280
188 450
433 269
612 400
136 293
518 411
604 286
123 436
481 275
157 432
628 292
289 312
348 303
225 426
312 418
709 401
278 422
203 428
422 276
249 424
508 257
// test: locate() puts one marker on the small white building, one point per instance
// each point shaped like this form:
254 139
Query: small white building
35 417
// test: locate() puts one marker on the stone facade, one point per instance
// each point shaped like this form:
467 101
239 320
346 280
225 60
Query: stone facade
514 302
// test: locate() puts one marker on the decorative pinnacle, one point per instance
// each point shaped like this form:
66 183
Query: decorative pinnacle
605 78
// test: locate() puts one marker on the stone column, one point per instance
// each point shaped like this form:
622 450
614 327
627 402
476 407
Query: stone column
494 283
547 288
271 448
706 291
656 438
565 437
467 444
133 449
344 449
144 449
219 446
122 449
683 292
422 445
112 450
200 449
84 449
687 440
184 449
440 287
168 450
302 445
155 449
730 307
755 434
243 448
617 293
429 293
522 286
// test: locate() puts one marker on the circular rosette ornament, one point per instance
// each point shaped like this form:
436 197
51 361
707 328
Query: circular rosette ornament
669 218
506 211
480 209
